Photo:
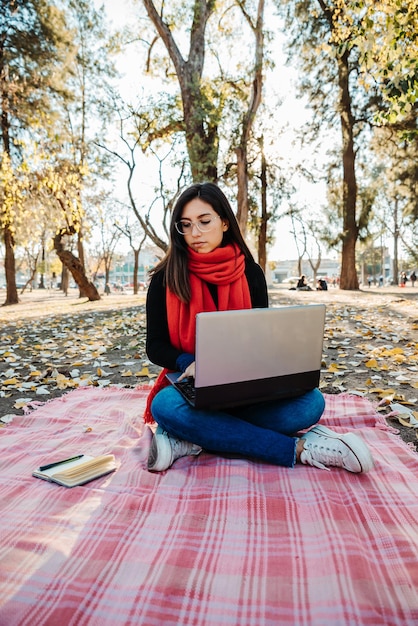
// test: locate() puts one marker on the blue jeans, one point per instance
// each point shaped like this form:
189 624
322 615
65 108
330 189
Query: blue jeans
262 431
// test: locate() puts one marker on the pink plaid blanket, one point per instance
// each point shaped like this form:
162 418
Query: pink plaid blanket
211 541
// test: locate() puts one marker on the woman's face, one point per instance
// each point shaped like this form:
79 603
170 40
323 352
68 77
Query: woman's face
199 213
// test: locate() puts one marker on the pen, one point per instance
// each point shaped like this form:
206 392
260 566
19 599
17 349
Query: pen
73 458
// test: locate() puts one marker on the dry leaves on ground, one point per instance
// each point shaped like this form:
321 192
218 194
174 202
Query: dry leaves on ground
48 356
371 348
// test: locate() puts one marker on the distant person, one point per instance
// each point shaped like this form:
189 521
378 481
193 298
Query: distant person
321 285
413 278
107 289
302 284
209 267
403 279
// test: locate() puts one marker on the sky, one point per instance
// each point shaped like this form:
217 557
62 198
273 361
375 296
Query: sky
292 112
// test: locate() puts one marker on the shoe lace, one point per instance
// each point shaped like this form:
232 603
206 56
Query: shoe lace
178 446
328 456
181 448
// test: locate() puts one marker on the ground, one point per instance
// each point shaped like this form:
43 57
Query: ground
51 343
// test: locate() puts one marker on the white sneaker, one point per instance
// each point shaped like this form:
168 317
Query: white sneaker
325 447
165 449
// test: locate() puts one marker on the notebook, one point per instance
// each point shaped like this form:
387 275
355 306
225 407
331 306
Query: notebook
76 470
254 355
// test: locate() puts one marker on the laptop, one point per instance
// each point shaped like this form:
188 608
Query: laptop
254 355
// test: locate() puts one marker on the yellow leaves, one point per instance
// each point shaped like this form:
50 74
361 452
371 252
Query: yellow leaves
51 356
392 352
21 403
383 358
399 358
144 373
62 382
405 420
383 393
385 365
334 368
13 183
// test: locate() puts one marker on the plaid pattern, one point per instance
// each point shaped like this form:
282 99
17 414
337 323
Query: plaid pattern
211 541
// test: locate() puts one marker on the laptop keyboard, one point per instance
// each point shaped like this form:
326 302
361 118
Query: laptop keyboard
187 388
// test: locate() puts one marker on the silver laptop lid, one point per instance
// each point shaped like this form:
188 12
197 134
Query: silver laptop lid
250 344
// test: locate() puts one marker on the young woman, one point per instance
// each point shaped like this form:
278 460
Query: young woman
209 267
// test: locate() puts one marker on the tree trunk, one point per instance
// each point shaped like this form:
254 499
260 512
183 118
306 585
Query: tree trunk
64 280
136 266
395 244
9 267
42 273
262 234
249 117
9 254
73 264
199 114
242 183
348 277
80 250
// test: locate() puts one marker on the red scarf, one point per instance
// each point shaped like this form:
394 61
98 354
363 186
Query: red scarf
224 267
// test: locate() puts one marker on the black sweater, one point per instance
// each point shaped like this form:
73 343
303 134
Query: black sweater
158 346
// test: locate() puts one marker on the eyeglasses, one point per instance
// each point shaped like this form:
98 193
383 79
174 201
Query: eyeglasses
204 224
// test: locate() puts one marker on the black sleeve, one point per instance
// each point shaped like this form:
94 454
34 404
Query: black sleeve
158 346
257 284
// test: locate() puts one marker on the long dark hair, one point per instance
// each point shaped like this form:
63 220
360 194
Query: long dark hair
174 264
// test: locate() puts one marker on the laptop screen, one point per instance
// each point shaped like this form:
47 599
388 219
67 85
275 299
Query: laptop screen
254 344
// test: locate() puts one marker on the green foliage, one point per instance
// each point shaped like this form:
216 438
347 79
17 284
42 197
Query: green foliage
387 38
34 51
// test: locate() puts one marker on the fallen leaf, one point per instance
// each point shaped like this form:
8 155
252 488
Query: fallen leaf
7 419
143 372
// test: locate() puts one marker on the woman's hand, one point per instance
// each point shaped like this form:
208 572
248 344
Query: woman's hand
189 372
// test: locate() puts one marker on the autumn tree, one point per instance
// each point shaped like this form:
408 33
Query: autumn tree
58 189
218 99
396 214
351 53
34 47
200 114
109 236
85 116
328 78
13 186
270 189
136 238
138 135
